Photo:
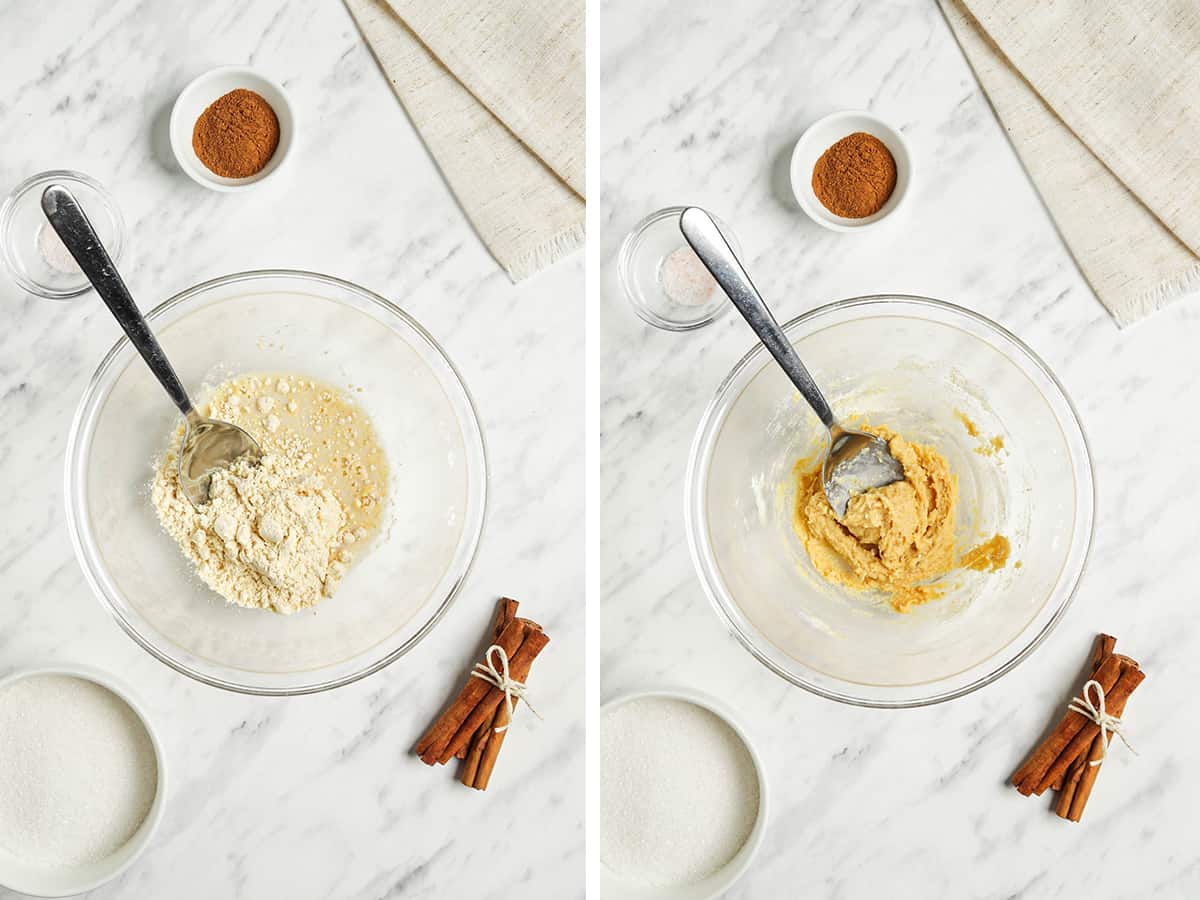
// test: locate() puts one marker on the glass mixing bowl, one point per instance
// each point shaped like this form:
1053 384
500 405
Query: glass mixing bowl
314 325
913 364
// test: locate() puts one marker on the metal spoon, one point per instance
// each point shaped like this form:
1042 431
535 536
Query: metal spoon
855 461
208 444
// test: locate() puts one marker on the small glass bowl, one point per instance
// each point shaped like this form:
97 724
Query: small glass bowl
640 264
32 251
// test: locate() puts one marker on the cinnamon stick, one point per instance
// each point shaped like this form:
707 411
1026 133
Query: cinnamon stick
432 745
1069 759
1031 773
485 748
506 611
519 664
1067 783
1114 703
473 753
485 745
1105 644
492 748
1066 787
467 728
1087 778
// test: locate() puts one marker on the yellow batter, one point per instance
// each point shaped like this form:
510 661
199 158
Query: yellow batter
987 446
896 539
989 556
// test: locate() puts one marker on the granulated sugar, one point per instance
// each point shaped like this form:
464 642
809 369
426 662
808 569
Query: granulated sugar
679 792
77 771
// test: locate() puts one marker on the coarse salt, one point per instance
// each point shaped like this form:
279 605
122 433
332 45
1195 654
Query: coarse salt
684 278
55 252
679 792
78 774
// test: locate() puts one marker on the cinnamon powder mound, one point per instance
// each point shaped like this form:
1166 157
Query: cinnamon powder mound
855 177
237 135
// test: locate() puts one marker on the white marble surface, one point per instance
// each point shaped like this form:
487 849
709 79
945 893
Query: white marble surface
313 797
703 108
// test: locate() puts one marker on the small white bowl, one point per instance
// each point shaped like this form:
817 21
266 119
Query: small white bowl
40 881
824 133
199 95
614 887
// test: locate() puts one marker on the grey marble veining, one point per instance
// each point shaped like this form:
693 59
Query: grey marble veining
314 797
702 104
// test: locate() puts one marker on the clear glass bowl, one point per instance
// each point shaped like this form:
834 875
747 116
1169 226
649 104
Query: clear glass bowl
640 266
393 595
910 363
32 251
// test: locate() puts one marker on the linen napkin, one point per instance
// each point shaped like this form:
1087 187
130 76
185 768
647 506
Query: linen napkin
496 90
1101 99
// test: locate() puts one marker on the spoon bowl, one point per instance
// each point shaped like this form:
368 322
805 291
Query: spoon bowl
855 463
208 444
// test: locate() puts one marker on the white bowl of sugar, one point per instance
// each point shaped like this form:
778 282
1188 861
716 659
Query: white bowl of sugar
683 798
82 781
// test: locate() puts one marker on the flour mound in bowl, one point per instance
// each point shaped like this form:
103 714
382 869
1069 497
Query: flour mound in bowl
266 540
277 535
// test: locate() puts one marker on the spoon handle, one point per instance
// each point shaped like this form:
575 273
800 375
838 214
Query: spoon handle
72 225
718 257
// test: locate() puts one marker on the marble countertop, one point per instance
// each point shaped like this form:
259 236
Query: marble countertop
319 796
703 108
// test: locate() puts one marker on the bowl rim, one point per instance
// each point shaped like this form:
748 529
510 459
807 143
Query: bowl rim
740 864
701 448
149 825
90 566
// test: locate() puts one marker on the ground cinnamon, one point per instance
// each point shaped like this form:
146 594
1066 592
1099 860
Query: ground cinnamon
855 177
237 135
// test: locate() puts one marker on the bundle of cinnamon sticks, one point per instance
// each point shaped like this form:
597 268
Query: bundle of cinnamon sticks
473 727
1068 759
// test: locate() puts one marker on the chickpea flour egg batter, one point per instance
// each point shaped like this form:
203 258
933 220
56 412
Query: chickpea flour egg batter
280 535
897 539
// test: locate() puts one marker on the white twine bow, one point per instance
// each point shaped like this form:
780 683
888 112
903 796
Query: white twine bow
1097 713
499 678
